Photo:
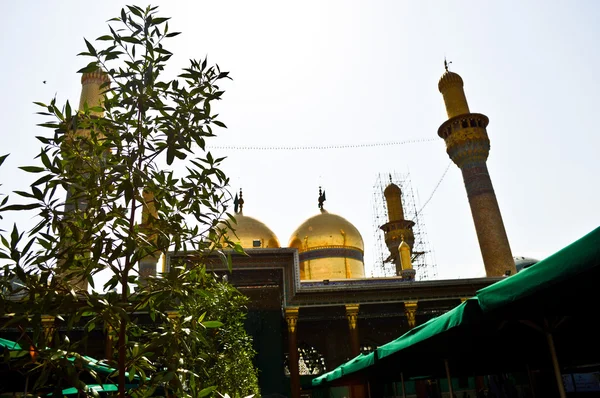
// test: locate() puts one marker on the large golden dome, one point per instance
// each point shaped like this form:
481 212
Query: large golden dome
251 233
329 247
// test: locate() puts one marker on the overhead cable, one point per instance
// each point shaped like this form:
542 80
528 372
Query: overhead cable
320 147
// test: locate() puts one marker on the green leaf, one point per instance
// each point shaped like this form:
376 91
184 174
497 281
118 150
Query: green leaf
212 324
158 21
32 169
133 40
105 38
3 158
206 391
91 48
131 374
135 11
91 67
21 207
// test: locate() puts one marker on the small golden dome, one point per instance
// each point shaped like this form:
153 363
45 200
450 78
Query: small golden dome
251 233
392 189
329 247
450 79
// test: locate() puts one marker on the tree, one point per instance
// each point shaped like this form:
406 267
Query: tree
140 149
226 351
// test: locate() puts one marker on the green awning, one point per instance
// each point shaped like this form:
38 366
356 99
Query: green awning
332 375
465 312
354 365
99 367
16 350
549 277
561 285
358 363
100 388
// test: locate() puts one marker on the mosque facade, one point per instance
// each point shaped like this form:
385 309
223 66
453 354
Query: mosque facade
311 305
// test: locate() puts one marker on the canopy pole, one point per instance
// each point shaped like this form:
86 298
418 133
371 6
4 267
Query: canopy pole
558 376
530 376
450 379
403 389
369 388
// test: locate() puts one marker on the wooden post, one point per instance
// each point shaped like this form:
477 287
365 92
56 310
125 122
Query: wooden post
291 317
531 383
403 388
557 374
449 378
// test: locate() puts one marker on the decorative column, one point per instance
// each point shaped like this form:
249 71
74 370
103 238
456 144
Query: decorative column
352 315
410 309
48 328
291 317
468 145
109 347
356 391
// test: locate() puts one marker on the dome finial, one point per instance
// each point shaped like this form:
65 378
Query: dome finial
321 198
238 203
446 64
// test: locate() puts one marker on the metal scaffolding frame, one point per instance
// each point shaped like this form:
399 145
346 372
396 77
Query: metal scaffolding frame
423 257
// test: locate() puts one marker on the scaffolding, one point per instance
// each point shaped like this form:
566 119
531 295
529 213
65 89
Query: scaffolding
423 258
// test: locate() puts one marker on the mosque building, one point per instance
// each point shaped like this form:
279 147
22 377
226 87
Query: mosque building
316 286
311 305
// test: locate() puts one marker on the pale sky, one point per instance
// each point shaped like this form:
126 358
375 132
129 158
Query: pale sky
355 72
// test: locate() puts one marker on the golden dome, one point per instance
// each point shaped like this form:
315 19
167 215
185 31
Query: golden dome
329 247
450 79
251 233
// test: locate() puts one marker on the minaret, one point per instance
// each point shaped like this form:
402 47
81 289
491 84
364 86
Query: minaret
92 89
397 227
147 265
93 85
468 146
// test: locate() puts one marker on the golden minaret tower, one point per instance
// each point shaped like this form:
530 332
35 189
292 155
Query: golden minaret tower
468 146
93 86
397 229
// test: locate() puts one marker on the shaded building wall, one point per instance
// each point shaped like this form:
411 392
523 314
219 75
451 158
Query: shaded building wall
267 331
